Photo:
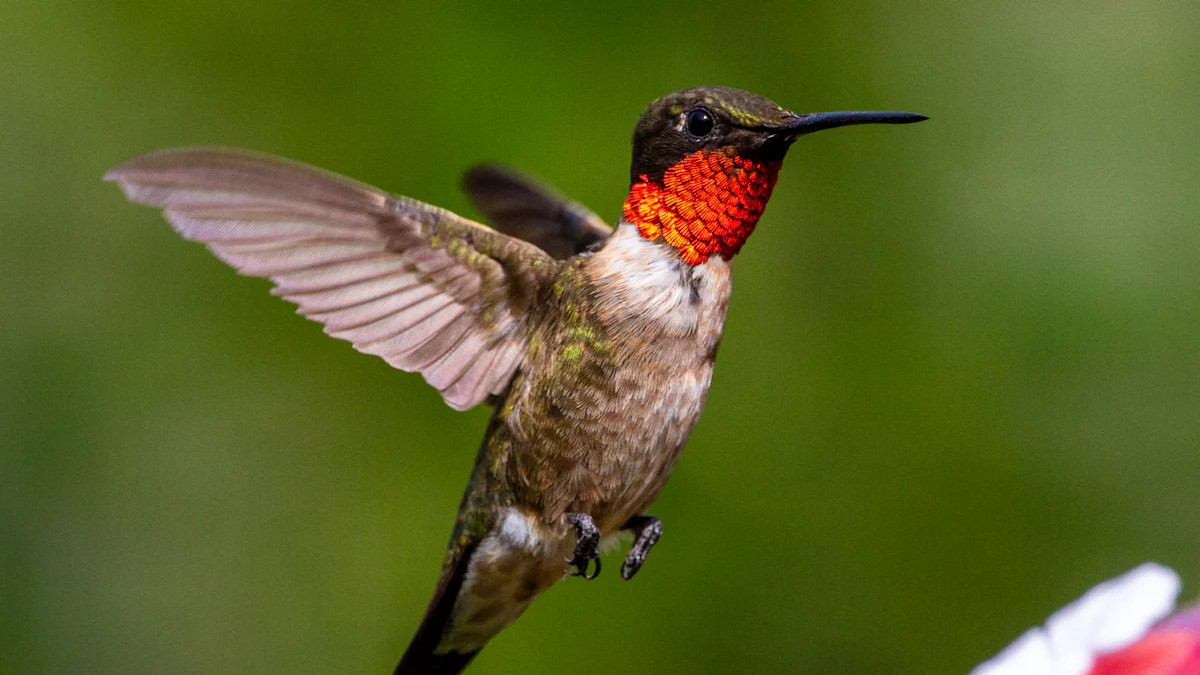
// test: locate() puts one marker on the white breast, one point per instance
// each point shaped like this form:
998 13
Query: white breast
641 279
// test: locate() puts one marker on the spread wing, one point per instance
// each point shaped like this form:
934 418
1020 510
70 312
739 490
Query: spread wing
427 290
522 207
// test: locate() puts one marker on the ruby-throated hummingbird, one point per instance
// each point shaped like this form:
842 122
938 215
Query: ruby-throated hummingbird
594 345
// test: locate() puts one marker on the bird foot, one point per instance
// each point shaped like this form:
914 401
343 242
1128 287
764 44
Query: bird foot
587 545
647 530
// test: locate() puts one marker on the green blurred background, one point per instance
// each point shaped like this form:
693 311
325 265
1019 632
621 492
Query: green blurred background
960 381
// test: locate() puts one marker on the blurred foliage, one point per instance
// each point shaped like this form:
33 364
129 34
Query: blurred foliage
960 381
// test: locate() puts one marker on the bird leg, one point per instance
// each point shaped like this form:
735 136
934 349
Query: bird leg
587 545
647 530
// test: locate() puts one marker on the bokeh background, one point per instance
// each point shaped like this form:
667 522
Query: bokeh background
960 381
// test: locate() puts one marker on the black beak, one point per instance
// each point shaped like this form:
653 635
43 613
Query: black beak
806 124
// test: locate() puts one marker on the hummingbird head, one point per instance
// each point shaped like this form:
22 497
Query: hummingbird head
705 161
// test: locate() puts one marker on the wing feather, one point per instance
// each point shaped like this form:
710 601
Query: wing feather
421 287
380 314
523 207
353 294
336 276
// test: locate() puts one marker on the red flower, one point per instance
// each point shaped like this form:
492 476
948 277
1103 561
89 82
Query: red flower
1169 648
1114 629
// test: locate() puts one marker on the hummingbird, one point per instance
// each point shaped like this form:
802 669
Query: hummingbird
593 344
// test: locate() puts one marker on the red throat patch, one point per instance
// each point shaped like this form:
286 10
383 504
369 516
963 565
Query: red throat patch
706 204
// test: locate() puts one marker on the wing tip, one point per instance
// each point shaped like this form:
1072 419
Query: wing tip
139 162
488 170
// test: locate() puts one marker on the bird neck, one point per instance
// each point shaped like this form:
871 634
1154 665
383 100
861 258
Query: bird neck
706 204
651 295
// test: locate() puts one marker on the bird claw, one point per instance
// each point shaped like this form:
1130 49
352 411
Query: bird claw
648 530
587 546
581 567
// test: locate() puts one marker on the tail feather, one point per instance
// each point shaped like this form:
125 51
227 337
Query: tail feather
439 664
420 657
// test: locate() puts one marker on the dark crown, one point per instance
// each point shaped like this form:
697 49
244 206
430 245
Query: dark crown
669 129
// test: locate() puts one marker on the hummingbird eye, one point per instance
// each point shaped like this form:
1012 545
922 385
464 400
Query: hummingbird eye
700 123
